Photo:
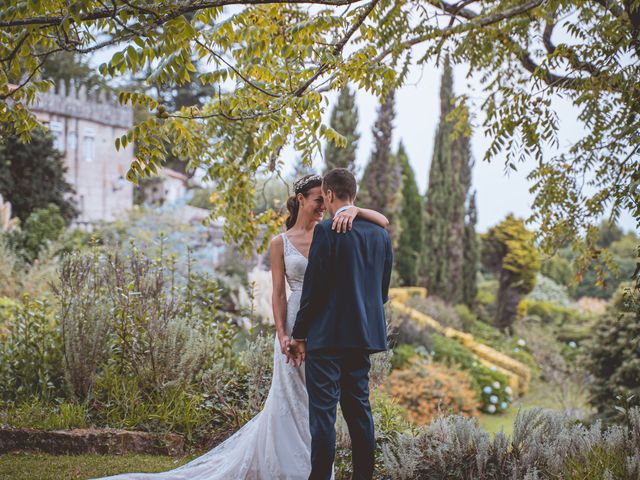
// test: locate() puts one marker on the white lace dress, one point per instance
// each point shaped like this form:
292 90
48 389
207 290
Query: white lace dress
276 443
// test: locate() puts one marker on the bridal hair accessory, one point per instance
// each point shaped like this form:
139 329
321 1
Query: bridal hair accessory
300 184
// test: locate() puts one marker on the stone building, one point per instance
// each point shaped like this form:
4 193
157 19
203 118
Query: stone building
168 186
85 128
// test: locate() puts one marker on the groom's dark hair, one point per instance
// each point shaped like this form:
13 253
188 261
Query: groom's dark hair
341 182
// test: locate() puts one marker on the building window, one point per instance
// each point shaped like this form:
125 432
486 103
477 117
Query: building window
89 145
58 140
72 141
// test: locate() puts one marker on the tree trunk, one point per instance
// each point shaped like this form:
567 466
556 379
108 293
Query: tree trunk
507 303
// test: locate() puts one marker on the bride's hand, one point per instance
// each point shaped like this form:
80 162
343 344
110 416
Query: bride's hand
285 340
343 221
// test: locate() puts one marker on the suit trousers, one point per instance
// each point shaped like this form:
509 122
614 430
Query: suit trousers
334 376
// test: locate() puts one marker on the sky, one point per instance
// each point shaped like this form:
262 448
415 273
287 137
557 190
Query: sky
499 192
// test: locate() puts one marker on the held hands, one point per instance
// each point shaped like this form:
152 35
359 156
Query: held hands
343 221
284 340
296 352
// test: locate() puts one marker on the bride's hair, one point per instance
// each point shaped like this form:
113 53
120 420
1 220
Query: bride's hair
302 186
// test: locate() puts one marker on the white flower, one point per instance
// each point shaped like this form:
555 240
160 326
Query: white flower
510 399
508 390
493 399
474 364
487 389
491 408
493 368
521 342
516 349
504 405
496 384
573 344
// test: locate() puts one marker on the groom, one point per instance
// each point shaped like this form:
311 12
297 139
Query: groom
339 324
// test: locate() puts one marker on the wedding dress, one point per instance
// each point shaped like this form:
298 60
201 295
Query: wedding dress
276 443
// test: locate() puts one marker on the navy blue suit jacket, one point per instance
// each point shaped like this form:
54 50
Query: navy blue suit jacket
345 286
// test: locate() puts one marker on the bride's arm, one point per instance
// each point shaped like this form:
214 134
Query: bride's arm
342 222
279 295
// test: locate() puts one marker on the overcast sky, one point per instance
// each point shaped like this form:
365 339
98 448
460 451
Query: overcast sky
417 117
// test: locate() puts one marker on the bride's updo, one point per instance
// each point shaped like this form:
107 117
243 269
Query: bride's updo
302 186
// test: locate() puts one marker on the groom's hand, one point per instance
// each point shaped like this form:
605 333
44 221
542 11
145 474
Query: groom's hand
297 351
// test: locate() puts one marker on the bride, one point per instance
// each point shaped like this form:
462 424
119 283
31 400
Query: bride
276 443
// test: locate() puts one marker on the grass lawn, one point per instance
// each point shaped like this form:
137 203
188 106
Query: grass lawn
30 466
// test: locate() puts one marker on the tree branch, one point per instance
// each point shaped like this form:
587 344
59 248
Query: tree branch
188 7
338 48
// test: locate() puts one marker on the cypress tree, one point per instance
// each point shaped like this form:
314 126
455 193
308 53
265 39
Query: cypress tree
471 255
411 221
446 199
381 184
344 120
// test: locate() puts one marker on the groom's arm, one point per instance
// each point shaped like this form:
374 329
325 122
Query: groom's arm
315 286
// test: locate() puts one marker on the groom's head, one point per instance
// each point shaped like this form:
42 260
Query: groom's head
338 188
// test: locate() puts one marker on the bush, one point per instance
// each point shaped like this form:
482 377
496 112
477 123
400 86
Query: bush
9 269
425 389
43 226
492 387
45 415
544 446
410 333
548 312
546 290
613 358
31 356
402 354
123 401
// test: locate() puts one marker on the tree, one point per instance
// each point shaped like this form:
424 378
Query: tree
43 225
344 120
613 358
471 255
508 250
381 184
407 256
282 58
32 176
446 199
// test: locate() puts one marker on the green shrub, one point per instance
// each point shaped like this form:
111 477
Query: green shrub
513 346
613 358
37 413
549 312
402 354
123 401
467 317
42 226
31 354
451 352
492 387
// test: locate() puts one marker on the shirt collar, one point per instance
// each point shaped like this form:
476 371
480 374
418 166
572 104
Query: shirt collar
342 209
